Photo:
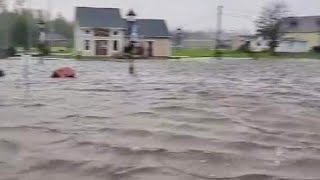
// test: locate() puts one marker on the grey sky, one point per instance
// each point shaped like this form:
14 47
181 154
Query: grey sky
188 14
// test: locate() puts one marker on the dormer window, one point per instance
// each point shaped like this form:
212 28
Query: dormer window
100 32
115 33
293 24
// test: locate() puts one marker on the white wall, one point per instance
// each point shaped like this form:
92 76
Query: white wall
293 47
81 37
161 47
121 42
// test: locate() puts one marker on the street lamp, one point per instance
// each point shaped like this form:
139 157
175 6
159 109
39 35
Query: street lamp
42 41
133 37
177 41
42 37
179 38
131 16
132 29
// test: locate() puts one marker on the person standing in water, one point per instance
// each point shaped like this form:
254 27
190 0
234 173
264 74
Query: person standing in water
131 66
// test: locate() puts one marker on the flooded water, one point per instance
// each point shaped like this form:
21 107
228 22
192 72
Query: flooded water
171 120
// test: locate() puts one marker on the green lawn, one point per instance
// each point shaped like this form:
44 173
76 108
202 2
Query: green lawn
194 53
207 53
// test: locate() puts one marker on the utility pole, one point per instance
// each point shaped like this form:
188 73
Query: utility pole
50 25
218 31
50 28
29 22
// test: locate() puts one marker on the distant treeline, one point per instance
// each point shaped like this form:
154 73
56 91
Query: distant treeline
17 28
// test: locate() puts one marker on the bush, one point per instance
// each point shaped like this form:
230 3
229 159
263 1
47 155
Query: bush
77 55
44 49
11 51
218 53
245 47
316 49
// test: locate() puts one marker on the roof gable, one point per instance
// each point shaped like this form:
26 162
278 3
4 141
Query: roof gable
153 28
99 17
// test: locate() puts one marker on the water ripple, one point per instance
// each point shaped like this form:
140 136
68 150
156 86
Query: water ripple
191 120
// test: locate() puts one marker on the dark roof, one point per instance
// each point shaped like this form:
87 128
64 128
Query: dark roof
99 17
301 24
153 28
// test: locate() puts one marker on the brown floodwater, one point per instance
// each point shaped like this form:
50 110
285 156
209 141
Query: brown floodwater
171 120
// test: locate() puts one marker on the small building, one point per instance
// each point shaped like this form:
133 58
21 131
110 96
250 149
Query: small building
154 37
255 43
103 32
241 40
56 40
306 28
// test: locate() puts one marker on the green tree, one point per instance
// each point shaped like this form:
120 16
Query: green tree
6 21
268 23
24 31
20 29
61 26
20 32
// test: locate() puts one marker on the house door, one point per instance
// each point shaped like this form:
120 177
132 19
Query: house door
101 47
150 48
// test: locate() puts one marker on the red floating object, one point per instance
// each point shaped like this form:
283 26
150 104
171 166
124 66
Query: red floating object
65 72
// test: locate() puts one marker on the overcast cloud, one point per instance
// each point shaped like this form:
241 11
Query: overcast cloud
188 14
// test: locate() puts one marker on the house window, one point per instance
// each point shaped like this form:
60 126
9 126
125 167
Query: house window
293 24
100 32
115 45
87 45
115 33
87 31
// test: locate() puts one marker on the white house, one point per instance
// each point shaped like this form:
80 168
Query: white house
103 32
303 29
